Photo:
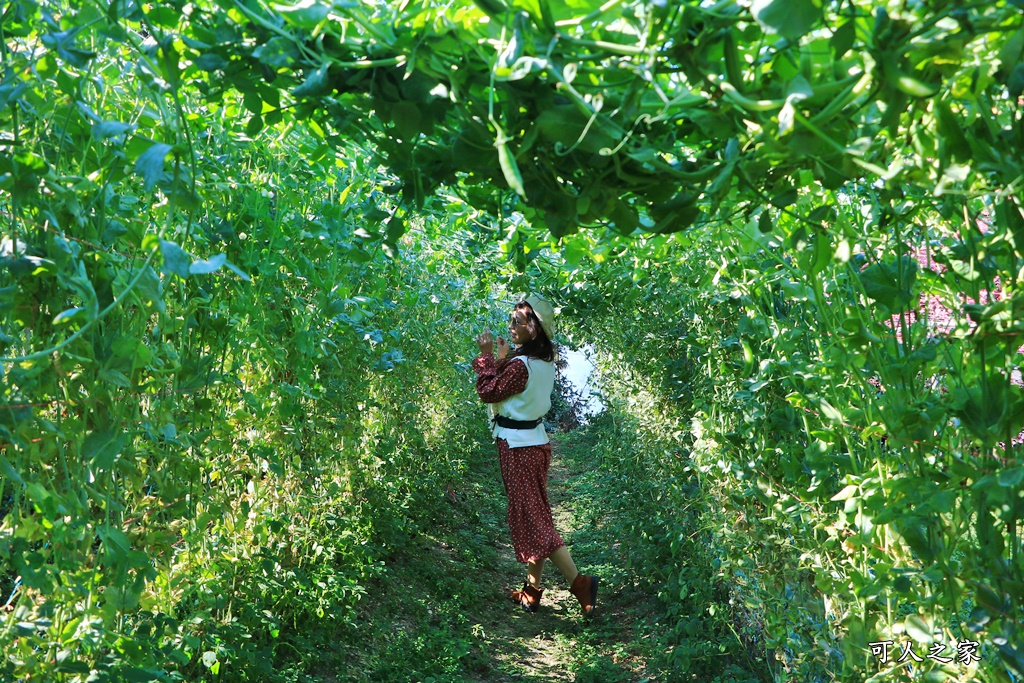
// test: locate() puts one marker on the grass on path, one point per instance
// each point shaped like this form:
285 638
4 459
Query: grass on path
442 615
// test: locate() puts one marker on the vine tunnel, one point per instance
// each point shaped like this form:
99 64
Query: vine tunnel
246 246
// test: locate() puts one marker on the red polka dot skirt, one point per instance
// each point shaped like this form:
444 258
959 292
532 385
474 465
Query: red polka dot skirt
524 471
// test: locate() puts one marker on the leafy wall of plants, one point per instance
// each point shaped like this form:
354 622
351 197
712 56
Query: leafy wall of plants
224 403
851 424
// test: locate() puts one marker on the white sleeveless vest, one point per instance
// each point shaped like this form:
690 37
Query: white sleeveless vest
532 403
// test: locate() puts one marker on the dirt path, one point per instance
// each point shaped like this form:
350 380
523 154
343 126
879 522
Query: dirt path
556 643
529 646
441 613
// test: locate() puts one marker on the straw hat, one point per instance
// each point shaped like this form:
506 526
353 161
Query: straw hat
544 312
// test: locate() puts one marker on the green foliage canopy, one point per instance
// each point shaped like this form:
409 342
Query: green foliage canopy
631 116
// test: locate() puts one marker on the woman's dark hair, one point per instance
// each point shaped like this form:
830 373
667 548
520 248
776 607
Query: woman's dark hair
540 347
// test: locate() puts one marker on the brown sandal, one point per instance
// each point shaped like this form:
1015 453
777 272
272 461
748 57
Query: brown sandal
527 597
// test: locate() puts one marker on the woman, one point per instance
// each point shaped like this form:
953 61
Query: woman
518 391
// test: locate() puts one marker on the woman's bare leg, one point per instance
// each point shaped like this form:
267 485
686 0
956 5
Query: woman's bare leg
563 561
533 572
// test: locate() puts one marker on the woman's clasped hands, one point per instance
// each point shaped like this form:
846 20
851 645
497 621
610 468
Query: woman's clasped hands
485 341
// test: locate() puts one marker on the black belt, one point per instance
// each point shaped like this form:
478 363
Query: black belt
509 423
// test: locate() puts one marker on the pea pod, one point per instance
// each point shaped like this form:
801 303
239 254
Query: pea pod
826 93
897 106
732 59
514 49
546 17
914 87
748 357
822 252
507 161
954 142
906 84
807 64
841 101
743 102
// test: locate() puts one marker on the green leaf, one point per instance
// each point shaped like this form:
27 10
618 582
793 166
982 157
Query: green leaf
73 667
69 315
209 266
918 629
901 584
167 17
316 84
1012 51
885 283
495 8
149 288
797 290
137 675
38 493
790 18
150 164
254 126
574 252
567 125
102 448
784 198
830 413
849 491
10 474
211 61
1011 477
115 540
1008 215
842 40
1015 84
678 213
305 14
395 229
237 271
914 531
625 217
950 129
83 287
175 259
113 230
115 377
104 130
982 408
63 44
278 52
123 599
407 118
253 101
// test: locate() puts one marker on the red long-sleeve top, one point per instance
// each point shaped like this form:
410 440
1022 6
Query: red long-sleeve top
497 381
